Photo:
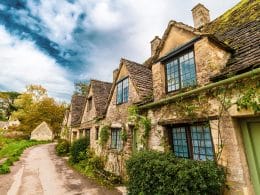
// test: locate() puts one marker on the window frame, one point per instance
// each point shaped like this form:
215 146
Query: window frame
89 103
118 132
188 134
97 133
177 56
122 90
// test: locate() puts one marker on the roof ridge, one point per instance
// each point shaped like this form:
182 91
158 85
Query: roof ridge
96 80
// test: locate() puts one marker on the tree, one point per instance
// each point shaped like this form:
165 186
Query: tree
81 88
34 107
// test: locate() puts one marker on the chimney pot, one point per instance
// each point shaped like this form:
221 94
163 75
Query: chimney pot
154 44
115 72
200 15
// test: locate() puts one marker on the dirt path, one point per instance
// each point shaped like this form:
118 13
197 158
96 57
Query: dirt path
40 171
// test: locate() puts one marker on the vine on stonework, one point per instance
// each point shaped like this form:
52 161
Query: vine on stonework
140 122
104 135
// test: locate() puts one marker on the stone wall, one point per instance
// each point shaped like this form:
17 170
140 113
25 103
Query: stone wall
209 60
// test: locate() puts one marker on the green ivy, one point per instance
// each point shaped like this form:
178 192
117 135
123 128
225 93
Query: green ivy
104 135
140 122
250 100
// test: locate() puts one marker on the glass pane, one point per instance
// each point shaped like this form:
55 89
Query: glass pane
119 93
201 142
172 72
180 142
187 66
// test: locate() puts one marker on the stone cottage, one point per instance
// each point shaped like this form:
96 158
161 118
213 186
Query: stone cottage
199 91
94 110
75 116
42 132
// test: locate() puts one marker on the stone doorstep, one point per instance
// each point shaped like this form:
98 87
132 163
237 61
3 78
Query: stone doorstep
122 189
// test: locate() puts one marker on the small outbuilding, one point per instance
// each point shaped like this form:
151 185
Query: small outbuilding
42 132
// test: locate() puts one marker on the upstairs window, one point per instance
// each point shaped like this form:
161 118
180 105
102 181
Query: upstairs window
89 106
180 72
192 141
116 141
122 91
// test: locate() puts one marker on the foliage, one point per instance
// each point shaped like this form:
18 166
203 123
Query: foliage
153 172
249 100
93 166
34 107
140 122
63 147
11 149
81 88
104 135
8 99
123 135
78 150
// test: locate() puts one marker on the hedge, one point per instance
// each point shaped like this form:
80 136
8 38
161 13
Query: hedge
152 172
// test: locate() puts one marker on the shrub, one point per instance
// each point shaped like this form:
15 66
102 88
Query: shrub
153 172
63 147
78 150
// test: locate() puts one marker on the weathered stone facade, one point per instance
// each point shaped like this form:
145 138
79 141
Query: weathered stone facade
42 132
223 79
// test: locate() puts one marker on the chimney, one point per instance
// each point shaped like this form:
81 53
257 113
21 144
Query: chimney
154 44
115 74
200 15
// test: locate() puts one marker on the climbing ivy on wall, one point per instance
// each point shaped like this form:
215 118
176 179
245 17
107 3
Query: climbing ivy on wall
104 135
141 123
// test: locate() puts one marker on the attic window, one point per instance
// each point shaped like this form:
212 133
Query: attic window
89 106
122 91
180 72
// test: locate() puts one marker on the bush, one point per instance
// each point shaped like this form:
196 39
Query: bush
63 147
78 150
153 172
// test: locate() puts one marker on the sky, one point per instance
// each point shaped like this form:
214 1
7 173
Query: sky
55 43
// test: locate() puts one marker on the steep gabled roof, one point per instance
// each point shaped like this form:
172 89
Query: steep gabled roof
77 109
141 76
239 28
101 91
172 23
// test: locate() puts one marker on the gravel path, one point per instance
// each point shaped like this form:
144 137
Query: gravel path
40 171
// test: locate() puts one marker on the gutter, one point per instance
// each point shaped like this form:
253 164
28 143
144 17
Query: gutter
255 72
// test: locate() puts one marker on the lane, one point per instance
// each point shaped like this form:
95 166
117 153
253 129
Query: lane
40 171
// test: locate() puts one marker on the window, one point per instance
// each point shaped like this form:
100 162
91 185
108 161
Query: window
180 72
122 91
97 133
89 104
116 142
192 141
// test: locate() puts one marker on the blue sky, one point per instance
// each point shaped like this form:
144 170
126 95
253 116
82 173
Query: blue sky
57 42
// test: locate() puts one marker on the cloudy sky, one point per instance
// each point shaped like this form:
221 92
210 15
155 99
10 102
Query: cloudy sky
57 42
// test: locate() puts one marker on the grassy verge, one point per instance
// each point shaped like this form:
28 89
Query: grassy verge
11 150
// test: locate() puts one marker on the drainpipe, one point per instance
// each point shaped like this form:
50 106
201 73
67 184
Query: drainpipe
252 73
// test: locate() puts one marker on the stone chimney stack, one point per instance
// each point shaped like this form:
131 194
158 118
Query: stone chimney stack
200 15
115 74
154 44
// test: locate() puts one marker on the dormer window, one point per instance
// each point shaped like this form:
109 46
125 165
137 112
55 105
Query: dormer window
122 91
181 72
89 106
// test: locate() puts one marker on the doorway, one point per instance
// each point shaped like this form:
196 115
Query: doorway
251 136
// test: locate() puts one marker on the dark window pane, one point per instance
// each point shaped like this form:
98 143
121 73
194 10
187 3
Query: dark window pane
180 142
202 143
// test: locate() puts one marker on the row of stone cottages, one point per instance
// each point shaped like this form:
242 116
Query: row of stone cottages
200 91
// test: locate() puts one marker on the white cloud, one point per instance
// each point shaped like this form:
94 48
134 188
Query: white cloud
21 64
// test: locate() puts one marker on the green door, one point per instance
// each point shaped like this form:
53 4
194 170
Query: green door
251 135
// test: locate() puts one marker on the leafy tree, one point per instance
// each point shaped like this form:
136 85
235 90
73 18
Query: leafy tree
34 107
81 88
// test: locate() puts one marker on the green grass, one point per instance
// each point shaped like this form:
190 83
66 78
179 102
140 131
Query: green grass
11 150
